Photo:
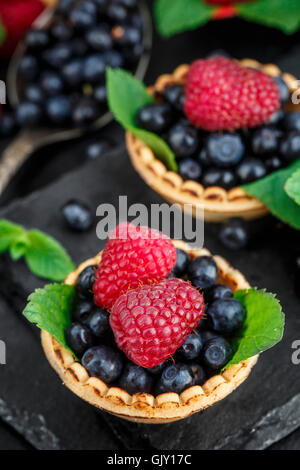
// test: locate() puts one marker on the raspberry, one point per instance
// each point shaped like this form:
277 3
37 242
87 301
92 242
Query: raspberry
152 322
221 94
132 256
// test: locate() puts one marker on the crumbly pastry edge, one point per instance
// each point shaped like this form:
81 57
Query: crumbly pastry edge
218 204
144 407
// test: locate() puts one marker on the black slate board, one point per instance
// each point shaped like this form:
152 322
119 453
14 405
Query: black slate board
273 384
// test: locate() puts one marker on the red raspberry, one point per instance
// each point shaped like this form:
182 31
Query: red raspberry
221 94
152 322
132 256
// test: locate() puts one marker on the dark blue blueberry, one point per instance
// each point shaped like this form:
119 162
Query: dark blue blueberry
290 146
189 169
98 322
218 53
198 373
291 121
79 338
266 140
251 169
175 378
225 150
94 68
128 36
103 362
100 94
273 163
58 55
174 94
203 158
156 370
37 39
226 179
183 139
284 90
113 59
34 93
99 39
202 272
226 316
61 31
77 215
216 353
217 292
51 83
207 335
182 261
135 379
127 3
276 118
82 310
191 348
80 47
132 53
117 12
97 149
234 234
85 112
72 72
64 6
29 114
85 282
28 67
8 124
81 19
58 109
87 6
155 117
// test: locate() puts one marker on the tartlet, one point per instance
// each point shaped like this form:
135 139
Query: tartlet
144 407
218 204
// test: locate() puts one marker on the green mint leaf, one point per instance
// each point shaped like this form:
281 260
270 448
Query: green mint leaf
282 14
18 248
270 190
50 309
176 16
46 258
126 95
9 233
263 326
292 186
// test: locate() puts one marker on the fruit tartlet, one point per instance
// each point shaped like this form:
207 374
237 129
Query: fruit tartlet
153 330
228 123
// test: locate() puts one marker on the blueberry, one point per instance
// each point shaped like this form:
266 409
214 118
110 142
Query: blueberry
203 158
127 3
189 169
156 370
273 163
182 261
198 373
8 124
97 149
284 91
28 67
29 114
85 282
100 94
77 215
234 234
135 379
155 117
291 121
94 68
99 39
174 94
127 36
58 109
266 140
64 6
98 322
61 31
132 53
85 112
218 292
225 150
82 309
113 59
251 169
226 316
58 55
37 39
117 12
51 83
87 6
82 20
207 335
175 378
79 46
276 118
103 362
218 53
226 179
34 93
72 72
191 348
290 146
216 353
183 140
202 272
79 338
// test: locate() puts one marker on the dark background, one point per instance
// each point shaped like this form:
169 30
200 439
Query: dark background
36 410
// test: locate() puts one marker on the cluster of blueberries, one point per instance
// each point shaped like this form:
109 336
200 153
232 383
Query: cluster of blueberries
225 159
62 73
206 350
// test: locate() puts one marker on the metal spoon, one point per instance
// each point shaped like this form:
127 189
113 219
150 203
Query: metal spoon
30 140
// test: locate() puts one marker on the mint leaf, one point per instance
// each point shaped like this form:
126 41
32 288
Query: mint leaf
292 186
263 326
9 233
50 309
270 190
176 16
282 14
46 258
126 95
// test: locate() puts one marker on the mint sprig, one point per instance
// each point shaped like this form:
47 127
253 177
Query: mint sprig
44 256
292 186
263 327
126 95
270 190
50 309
